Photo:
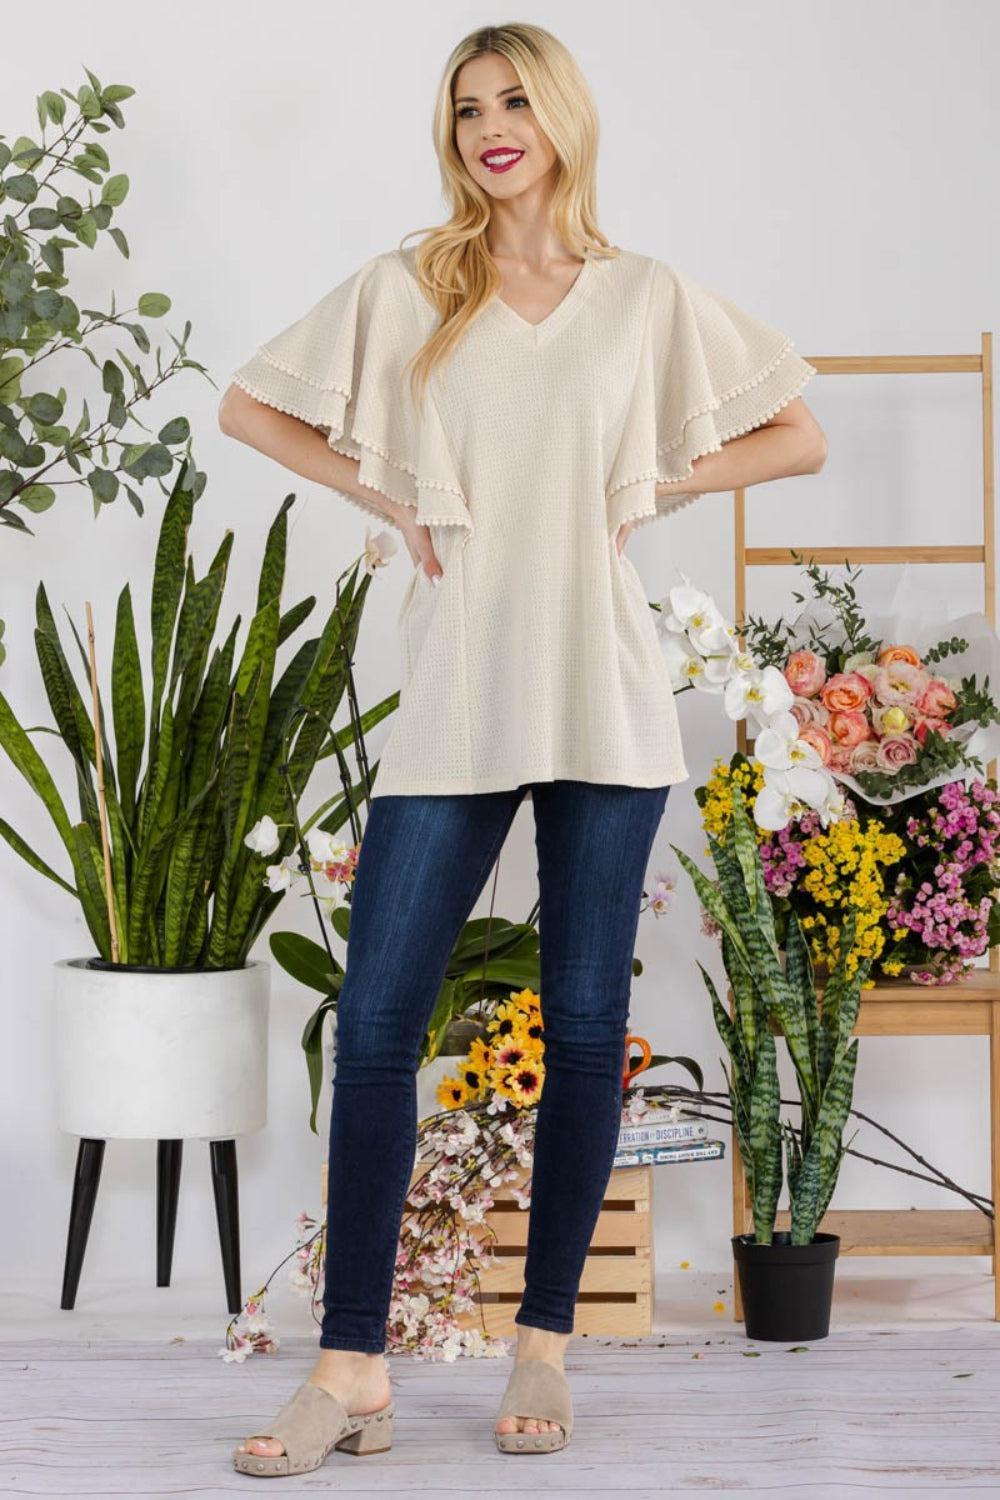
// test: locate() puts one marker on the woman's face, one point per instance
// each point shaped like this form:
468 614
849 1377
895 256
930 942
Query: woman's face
499 139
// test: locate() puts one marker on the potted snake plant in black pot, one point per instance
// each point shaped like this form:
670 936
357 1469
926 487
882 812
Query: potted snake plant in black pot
786 1276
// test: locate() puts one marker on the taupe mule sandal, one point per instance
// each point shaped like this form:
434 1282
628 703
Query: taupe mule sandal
308 1426
536 1389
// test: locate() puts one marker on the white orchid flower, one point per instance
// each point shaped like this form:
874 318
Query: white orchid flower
722 665
696 613
379 547
834 806
684 664
778 745
263 837
787 794
279 877
327 890
759 694
324 848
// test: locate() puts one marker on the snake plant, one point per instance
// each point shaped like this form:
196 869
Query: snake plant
770 985
186 890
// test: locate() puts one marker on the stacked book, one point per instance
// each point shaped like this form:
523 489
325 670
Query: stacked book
664 1136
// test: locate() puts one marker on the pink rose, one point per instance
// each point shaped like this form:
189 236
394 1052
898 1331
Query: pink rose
840 758
845 691
937 700
809 711
804 673
815 735
896 750
849 729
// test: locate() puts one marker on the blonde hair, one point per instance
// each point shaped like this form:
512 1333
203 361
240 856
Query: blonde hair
453 264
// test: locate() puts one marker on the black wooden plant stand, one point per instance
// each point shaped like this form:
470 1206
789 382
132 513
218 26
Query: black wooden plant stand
225 1186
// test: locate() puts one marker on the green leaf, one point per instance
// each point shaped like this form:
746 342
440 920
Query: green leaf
103 484
18 844
15 741
312 1046
168 580
153 305
127 704
272 571
36 497
304 959
115 190
89 867
178 430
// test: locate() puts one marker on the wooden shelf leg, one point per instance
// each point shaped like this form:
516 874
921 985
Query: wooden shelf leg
995 1141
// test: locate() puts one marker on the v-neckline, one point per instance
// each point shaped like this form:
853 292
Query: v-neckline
562 310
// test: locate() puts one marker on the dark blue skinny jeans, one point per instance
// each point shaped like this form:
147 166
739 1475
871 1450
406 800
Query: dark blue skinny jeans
423 863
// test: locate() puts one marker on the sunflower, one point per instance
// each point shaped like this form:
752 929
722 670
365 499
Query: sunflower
509 1055
479 1055
452 1093
521 1006
523 1084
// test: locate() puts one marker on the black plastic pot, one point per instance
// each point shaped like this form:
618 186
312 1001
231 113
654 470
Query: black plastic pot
787 1289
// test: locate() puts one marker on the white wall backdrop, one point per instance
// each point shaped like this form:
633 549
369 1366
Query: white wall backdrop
830 166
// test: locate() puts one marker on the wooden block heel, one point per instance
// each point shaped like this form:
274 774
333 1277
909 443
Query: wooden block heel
375 1436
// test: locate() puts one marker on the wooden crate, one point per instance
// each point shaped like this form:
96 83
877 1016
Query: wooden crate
616 1288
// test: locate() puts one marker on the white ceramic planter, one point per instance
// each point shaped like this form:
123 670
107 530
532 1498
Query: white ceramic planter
160 1055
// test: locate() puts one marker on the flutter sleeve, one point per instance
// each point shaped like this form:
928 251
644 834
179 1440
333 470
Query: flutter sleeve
341 367
708 372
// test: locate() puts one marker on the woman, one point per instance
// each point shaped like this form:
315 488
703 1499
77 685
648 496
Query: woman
514 397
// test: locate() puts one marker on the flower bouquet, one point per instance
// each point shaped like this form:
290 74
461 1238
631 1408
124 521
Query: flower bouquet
874 698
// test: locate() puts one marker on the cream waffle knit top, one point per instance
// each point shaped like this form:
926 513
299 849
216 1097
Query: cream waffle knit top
537 656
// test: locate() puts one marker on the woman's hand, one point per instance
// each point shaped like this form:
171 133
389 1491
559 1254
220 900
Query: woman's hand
622 535
417 539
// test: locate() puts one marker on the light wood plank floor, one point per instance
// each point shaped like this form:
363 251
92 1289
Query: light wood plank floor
883 1406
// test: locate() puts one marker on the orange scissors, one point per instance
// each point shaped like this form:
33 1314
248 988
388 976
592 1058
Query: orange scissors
630 1070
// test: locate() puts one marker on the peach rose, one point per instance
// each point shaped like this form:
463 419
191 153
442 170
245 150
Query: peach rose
864 756
896 750
897 653
845 691
840 758
849 729
937 699
809 711
815 735
804 673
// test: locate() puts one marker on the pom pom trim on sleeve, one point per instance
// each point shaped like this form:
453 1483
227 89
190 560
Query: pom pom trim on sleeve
339 368
695 339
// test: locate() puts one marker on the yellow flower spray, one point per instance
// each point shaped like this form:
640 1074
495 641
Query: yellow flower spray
507 1066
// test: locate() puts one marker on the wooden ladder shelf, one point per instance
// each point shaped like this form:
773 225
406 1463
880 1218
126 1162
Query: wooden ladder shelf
968 1007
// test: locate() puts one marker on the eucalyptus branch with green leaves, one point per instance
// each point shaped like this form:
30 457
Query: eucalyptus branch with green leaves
108 451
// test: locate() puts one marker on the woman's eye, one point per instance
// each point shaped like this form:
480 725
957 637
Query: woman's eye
470 109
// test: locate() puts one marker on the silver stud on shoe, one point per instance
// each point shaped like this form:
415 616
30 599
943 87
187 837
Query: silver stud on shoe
520 1442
